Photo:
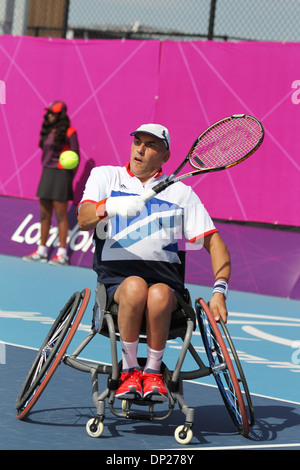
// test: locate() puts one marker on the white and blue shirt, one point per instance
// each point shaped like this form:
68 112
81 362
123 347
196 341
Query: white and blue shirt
145 245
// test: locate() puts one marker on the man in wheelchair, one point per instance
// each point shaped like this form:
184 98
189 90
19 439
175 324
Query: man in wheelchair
136 253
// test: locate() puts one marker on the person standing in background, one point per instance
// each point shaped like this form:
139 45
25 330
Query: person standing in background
55 188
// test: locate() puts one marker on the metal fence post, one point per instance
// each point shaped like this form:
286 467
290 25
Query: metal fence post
211 24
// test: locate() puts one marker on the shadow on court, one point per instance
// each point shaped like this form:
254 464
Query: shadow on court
58 419
31 299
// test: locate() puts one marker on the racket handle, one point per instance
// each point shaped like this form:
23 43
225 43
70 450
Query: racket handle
153 191
148 195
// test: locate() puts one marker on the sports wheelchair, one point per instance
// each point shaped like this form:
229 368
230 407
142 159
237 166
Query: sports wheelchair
222 363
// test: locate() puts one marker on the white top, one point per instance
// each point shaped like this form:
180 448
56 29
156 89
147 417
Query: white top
144 245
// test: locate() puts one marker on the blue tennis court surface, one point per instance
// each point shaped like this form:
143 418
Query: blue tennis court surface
265 332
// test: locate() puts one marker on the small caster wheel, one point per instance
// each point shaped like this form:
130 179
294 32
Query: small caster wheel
94 428
183 436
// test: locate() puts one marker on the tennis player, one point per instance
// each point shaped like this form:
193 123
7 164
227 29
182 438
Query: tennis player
136 252
55 187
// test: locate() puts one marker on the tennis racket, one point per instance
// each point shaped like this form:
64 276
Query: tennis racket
223 145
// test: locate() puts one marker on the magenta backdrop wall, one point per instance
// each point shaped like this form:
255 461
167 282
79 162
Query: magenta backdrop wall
264 261
113 86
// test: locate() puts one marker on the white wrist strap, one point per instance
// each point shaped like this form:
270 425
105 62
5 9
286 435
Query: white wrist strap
221 287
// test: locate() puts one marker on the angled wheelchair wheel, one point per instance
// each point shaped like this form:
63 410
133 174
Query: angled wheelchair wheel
51 352
240 374
227 373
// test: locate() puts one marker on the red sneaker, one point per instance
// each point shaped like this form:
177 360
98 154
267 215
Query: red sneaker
35 256
131 385
154 387
59 260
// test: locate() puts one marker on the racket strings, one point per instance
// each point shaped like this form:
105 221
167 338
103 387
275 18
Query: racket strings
226 143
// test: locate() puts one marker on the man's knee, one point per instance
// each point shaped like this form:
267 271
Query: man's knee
161 295
133 290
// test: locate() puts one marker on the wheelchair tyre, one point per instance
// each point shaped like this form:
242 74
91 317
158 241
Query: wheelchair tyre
182 436
241 379
94 428
222 367
51 352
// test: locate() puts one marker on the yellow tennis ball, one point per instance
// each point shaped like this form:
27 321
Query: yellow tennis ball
69 159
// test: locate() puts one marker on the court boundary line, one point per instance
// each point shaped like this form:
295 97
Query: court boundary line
289 446
240 447
188 381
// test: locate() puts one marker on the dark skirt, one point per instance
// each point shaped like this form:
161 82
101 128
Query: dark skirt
56 184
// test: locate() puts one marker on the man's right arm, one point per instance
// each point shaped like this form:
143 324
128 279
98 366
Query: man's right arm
87 217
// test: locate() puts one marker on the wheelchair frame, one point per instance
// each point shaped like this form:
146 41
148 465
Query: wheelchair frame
223 361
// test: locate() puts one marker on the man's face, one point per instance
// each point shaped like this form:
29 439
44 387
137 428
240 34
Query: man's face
148 153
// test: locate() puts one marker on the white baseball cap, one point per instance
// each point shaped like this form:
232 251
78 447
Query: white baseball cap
157 130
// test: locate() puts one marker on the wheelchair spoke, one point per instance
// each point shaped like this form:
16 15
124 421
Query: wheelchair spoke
52 352
223 368
231 396
44 356
220 371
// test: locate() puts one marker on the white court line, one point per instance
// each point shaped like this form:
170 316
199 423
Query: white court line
251 393
37 349
268 337
256 446
188 381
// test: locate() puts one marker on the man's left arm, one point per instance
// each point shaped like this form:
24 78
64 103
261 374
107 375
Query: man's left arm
221 266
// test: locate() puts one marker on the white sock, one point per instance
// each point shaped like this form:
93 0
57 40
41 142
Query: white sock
154 359
42 250
129 355
61 251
